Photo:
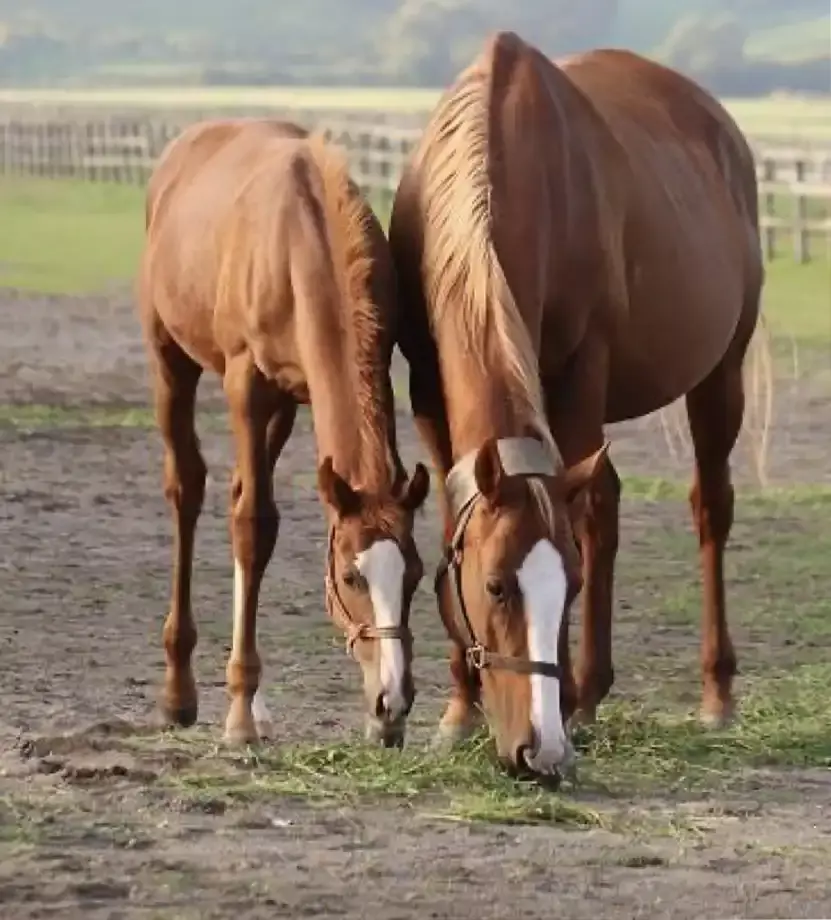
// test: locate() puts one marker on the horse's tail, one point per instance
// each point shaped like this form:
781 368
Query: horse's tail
759 389
757 374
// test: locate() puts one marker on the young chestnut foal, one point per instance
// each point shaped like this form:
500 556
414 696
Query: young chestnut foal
264 264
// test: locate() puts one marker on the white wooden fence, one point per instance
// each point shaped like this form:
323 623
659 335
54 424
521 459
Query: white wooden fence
794 180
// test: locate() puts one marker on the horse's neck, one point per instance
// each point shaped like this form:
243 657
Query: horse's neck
478 400
355 438
334 416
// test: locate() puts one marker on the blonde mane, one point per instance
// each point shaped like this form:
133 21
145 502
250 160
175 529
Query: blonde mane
463 277
464 280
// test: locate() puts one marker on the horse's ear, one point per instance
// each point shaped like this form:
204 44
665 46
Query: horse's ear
336 491
569 483
416 491
489 472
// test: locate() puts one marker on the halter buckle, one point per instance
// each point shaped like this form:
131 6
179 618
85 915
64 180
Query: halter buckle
354 633
477 656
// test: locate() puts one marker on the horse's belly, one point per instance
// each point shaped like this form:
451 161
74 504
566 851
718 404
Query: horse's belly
634 391
190 325
670 342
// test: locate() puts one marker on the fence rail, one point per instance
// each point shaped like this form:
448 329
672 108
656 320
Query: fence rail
794 179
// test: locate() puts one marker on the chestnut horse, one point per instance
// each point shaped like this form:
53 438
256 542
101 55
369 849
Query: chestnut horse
264 264
576 244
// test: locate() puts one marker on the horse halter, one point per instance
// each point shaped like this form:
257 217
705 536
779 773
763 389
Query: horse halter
339 612
520 457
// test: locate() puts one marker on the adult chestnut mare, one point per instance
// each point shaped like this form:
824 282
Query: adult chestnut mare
264 264
576 243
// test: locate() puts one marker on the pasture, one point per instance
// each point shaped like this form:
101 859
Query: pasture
102 814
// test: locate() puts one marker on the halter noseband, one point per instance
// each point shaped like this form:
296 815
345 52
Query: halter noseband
339 612
519 457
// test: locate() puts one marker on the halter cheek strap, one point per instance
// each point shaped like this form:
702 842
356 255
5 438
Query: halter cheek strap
339 612
519 457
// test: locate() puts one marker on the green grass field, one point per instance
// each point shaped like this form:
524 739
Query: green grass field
77 237
68 237
796 118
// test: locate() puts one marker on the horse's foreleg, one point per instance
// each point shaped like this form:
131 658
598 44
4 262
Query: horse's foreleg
598 531
278 432
715 408
176 380
462 715
254 527
575 405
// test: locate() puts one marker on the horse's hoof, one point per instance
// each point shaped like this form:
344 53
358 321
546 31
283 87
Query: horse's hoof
265 731
179 716
718 718
241 736
450 735
262 717
178 700
386 734
240 727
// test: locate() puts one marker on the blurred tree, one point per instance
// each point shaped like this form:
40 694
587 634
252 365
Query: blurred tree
434 39
697 44
355 41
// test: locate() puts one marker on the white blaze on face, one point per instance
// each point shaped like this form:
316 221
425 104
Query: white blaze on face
542 580
382 565
259 709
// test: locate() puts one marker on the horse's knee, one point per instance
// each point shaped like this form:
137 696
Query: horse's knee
185 476
254 529
598 518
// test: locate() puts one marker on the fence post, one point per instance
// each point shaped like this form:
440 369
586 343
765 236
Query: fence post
769 210
800 231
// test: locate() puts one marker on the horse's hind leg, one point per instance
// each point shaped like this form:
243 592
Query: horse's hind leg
715 408
254 527
176 380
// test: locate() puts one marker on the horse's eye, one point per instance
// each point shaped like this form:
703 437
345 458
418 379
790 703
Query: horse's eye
352 578
495 588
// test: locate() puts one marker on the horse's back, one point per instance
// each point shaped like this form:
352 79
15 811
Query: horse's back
187 155
213 205
690 242
647 104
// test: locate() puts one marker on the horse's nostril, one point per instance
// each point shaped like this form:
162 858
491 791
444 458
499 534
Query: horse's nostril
380 705
526 752
522 756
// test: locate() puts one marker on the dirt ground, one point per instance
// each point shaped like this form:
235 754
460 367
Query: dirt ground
86 829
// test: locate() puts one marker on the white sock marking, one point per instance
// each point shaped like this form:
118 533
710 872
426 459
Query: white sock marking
259 709
262 717
382 565
239 605
542 580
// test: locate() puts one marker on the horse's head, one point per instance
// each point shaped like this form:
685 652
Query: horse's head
510 573
373 569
